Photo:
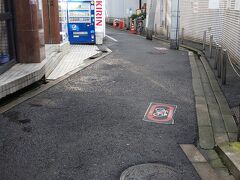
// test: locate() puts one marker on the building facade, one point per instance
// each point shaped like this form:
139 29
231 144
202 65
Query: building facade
123 8
221 18
27 25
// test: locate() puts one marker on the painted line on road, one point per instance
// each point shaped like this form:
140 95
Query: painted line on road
111 38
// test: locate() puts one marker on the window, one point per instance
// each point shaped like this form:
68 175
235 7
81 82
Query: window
7 51
213 4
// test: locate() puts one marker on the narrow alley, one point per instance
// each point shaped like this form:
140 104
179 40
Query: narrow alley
90 126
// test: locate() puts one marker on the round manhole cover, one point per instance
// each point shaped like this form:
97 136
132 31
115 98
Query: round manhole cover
150 171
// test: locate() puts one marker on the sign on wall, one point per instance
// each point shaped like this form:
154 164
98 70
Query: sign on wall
100 16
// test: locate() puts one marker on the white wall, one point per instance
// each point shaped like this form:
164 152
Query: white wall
121 8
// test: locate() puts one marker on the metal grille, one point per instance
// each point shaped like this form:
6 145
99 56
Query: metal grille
2 6
3 38
222 22
3 33
7 49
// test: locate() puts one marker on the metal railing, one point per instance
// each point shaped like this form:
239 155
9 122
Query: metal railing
221 56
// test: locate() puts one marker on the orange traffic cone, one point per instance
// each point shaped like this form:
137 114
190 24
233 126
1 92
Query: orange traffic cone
114 23
132 28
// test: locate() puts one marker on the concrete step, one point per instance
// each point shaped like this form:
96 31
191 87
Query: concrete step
230 153
201 165
78 54
23 75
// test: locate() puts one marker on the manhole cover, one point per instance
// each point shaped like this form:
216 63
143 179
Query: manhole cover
150 171
160 113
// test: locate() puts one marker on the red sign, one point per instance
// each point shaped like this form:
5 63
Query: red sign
99 13
160 113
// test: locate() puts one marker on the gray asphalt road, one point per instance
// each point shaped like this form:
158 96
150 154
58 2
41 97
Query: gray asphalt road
89 127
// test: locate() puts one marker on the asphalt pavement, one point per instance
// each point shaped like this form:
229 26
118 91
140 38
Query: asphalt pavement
90 127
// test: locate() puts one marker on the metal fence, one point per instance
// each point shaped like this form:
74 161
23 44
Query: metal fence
7 47
3 31
220 18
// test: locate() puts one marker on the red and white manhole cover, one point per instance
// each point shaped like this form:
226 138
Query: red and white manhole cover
160 113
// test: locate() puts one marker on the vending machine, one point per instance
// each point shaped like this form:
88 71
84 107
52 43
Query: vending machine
81 21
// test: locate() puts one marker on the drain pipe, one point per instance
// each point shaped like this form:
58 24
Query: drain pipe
175 20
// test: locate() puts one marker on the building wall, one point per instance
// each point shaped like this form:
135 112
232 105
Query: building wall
221 18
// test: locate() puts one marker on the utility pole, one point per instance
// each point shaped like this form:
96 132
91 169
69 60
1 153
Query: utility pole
140 4
175 21
151 9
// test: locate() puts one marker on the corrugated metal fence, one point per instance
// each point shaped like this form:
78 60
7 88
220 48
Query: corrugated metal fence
221 18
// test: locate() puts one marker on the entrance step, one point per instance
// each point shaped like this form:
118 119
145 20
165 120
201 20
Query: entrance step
70 62
23 75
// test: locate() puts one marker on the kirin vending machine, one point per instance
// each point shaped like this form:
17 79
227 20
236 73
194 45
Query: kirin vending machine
81 21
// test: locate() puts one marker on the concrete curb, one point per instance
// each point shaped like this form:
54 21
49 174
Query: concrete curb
231 157
199 162
206 137
222 102
227 155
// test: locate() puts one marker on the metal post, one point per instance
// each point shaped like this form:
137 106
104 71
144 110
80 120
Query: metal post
167 32
152 4
223 66
211 45
216 56
155 29
182 37
220 56
204 39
